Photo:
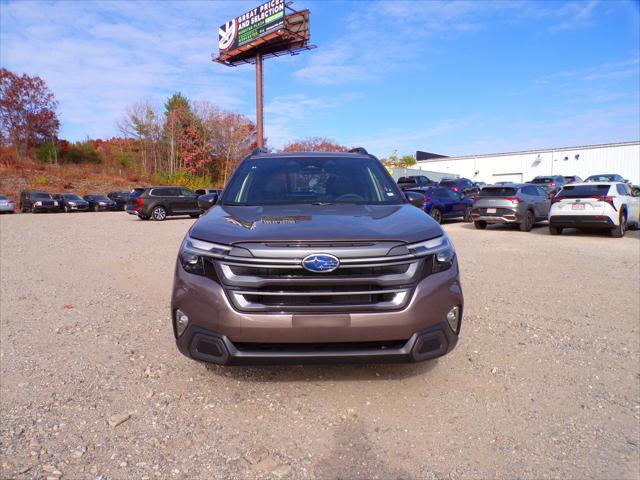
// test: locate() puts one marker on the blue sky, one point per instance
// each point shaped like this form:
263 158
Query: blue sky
452 77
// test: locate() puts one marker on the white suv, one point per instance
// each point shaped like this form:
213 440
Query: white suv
608 205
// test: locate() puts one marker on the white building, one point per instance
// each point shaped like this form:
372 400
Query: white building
621 158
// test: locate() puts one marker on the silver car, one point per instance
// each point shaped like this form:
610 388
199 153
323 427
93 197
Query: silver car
6 204
522 204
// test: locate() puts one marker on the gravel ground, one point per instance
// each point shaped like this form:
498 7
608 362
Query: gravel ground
544 383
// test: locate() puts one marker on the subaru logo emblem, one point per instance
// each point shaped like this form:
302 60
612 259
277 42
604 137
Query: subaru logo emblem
320 262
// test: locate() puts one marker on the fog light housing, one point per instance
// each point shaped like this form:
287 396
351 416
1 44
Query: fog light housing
181 322
453 317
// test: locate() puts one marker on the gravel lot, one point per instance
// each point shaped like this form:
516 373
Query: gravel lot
545 382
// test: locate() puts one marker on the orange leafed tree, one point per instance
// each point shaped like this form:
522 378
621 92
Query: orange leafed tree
314 144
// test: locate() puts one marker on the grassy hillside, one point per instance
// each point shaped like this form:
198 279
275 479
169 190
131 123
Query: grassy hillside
81 179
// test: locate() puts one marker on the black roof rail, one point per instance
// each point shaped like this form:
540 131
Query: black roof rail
260 151
360 150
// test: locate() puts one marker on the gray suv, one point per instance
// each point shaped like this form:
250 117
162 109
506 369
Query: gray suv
315 257
518 204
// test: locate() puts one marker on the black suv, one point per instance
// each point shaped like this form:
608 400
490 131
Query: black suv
461 185
31 201
120 198
415 181
100 203
160 202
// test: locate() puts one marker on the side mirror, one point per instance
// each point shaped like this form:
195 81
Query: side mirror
416 199
208 200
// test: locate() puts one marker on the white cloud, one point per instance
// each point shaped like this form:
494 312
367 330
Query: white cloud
99 57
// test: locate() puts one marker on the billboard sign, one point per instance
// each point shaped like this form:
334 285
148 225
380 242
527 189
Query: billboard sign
251 25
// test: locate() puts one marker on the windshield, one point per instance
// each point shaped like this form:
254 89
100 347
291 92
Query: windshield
72 196
445 183
309 180
3 197
604 178
136 192
100 198
41 196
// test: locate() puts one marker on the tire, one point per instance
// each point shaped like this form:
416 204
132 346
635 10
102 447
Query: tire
467 216
159 213
194 215
527 224
480 224
555 230
618 231
436 214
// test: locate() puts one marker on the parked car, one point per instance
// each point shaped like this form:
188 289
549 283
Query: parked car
71 202
33 201
522 204
552 184
315 257
606 177
609 205
100 203
461 185
120 198
444 203
572 179
6 204
204 191
413 181
162 202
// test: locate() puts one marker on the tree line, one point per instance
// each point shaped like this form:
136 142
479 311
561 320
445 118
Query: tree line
182 139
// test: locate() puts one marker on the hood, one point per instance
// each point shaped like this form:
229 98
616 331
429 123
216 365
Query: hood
228 225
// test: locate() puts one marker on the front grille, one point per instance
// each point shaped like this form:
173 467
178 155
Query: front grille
280 284
301 273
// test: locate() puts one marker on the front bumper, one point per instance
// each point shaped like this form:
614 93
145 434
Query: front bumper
581 221
218 333
41 208
7 208
78 208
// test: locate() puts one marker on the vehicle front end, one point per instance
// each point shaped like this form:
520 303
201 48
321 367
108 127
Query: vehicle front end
315 258
7 205
256 302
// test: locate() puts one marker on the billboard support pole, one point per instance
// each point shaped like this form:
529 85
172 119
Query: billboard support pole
259 98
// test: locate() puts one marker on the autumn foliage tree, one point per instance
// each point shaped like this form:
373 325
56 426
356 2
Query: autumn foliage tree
314 144
27 112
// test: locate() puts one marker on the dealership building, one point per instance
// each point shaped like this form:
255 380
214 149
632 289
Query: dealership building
621 158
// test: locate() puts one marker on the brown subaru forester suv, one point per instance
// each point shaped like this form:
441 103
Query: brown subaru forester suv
315 257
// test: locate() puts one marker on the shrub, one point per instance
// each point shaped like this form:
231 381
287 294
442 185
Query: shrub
83 152
183 179
48 152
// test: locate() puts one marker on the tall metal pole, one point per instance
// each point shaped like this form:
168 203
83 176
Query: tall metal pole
259 112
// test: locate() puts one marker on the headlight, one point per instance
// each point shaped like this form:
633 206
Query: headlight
441 248
193 252
55 203
38 203
73 204
101 203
